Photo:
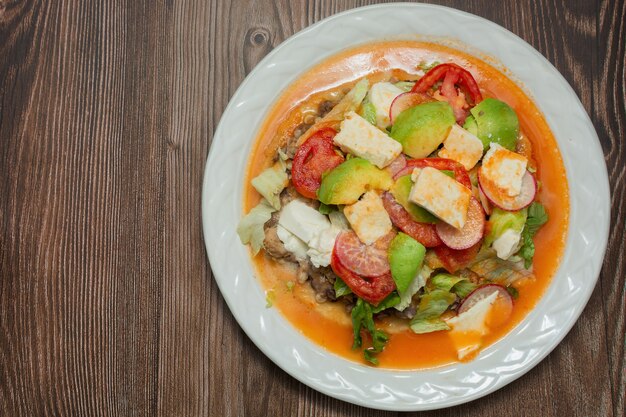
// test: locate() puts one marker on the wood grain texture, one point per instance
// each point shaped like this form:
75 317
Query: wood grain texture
107 303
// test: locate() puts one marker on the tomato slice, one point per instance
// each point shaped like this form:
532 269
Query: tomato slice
424 233
364 260
452 75
316 156
453 259
373 290
460 173
458 76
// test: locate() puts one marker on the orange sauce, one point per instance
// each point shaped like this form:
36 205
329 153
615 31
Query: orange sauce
328 324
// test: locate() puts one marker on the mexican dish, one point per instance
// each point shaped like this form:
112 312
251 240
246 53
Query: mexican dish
405 204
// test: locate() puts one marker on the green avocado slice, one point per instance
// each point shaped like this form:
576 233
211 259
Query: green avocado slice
495 122
405 260
347 182
422 128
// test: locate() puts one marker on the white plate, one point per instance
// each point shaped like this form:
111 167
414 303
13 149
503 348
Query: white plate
499 364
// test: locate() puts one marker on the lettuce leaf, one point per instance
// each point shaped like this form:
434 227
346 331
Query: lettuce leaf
250 228
500 221
418 282
390 301
432 305
405 86
452 283
368 112
500 271
363 318
270 183
537 217
341 288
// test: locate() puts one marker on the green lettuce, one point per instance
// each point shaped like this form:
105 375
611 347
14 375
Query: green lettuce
500 221
363 318
368 112
350 102
416 284
270 183
250 228
405 86
341 288
432 305
537 217
452 283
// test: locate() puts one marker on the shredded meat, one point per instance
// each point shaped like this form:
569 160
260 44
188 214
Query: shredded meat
322 282
324 107
273 246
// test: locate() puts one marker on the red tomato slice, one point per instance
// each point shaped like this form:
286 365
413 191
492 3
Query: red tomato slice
452 76
459 76
313 158
453 259
373 290
424 233
460 173
364 260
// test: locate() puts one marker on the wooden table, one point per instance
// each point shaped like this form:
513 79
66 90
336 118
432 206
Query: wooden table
107 303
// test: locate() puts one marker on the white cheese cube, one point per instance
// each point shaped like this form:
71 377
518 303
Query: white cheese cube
504 169
469 327
507 244
443 196
462 146
381 95
360 138
302 220
368 218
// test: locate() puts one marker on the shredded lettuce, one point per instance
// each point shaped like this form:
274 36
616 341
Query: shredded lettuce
537 217
500 221
338 220
250 228
405 86
368 112
463 288
390 301
270 183
500 271
325 209
452 283
363 317
418 282
341 288
432 305
350 102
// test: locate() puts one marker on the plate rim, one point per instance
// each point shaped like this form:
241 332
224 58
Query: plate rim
563 330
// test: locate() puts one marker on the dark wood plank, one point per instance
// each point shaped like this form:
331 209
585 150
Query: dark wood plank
107 304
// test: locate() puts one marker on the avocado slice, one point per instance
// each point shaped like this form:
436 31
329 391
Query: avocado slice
495 122
400 191
405 260
470 125
422 128
349 180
